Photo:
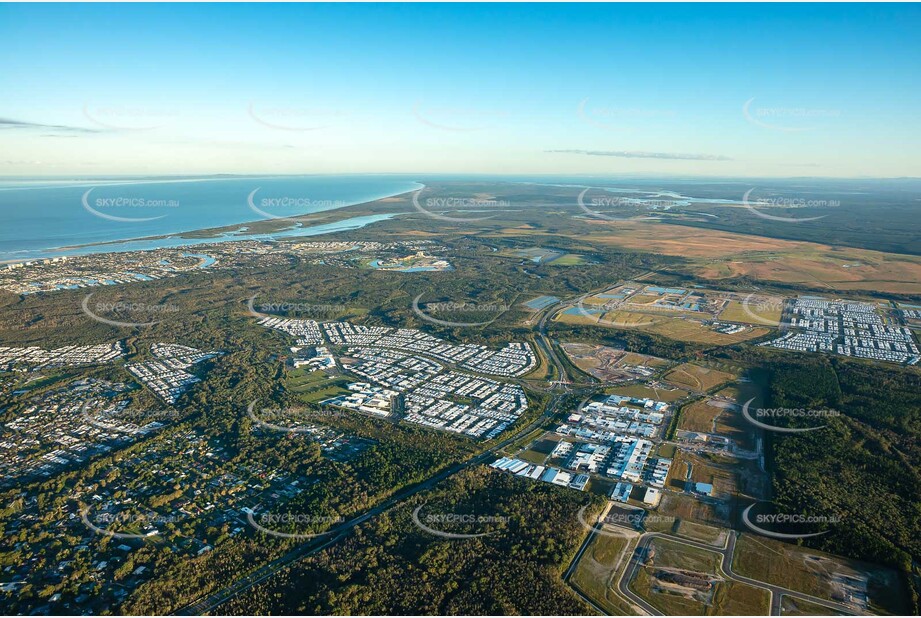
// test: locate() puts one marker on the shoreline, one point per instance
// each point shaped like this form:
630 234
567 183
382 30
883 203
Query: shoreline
258 229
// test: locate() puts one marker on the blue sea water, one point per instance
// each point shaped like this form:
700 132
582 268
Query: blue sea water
40 217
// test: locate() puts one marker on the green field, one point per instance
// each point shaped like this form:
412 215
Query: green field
705 469
697 377
687 507
700 532
641 391
673 555
699 416
666 450
688 329
598 571
657 522
726 597
531 456
759 312
740 599
717 417
817 573
314 386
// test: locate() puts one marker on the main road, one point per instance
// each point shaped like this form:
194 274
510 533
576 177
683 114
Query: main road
215 599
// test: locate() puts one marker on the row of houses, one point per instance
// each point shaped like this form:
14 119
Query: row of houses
68 425
34 358
166 376
848 328
514 359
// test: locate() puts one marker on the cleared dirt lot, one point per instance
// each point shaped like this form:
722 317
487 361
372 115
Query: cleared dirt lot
820 574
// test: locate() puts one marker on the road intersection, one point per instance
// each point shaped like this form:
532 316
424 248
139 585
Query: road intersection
560 388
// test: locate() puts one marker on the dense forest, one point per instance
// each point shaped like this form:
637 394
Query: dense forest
391 566
863 467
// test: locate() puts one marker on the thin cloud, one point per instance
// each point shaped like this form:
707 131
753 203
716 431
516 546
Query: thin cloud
9 123
639 154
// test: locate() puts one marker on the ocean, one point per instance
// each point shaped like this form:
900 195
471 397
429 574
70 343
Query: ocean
40 217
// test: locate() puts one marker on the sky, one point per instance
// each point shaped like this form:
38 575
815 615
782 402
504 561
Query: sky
753 90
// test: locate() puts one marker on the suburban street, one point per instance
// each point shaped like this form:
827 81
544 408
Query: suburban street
561 388
310 547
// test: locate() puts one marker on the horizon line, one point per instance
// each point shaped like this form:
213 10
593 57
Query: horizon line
621 175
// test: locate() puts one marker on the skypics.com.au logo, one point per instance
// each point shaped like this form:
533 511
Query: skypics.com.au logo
758 416
107 207
297 119
291 415
270 309
632 518
269 523
758 206
128 117
457 119
289 208
113 418
761 309
148 525
434 207
787 119
597 316
606 207
106 312
785 526
432 523
454 309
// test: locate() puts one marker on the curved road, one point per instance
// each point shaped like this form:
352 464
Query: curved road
213 600
776 592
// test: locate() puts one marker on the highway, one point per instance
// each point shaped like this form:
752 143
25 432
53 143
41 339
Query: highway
776 592
213 600
560 389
